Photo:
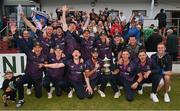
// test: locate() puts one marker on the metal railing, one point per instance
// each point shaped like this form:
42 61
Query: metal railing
171 22
3 30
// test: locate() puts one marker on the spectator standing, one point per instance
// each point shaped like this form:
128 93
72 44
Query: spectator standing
162 21
148 32
153 41
172 44
116 28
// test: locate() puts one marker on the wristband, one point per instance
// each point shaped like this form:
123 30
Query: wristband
137 82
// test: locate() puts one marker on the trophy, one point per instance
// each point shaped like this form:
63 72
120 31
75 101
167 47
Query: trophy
106 69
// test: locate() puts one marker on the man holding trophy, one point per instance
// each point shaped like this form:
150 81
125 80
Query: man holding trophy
105 53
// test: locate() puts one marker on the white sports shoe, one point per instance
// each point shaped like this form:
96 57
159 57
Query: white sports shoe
102 94
70 94
20 103
140 92
49 95
28 92
154 97
117 94
166 98
95 89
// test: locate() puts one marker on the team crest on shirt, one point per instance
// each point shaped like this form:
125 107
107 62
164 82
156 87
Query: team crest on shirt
90 47
42 59
47 45
72 66
126 73
129 69
81 67
120 66
62 43
92 42
52 59
107 48
148 67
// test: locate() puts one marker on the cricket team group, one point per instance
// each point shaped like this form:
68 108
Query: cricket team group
74 57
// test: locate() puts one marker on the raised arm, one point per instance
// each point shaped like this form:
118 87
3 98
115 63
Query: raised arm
87 21
28 23
64 9
131 18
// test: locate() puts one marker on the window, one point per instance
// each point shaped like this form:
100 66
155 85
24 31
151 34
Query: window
143 12
11 11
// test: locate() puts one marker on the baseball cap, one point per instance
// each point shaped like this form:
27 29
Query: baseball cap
95 50
57 47
37 44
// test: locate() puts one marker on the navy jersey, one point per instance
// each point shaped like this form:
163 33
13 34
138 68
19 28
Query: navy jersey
32 66
72 41
104 49
89 65
33 61
87 46
116 48
150 65
59 41
75 71
165 63
46 43
128 72
57 73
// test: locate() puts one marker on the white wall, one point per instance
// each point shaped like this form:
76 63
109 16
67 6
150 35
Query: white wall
125 6
22 2
16 2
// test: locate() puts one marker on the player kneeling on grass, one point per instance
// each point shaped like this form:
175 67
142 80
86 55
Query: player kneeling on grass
55 75
147 72
164 61
33 71
10 87
126 75
93 72
75 70
93 69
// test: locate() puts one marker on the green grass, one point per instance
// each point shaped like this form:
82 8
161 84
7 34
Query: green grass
98 103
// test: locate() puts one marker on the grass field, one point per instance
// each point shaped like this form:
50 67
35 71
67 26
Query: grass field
98 103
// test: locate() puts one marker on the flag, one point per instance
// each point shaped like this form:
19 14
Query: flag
152 8
19 10
37 16
40 15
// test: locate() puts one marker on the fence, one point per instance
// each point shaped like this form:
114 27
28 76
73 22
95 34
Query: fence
171 22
